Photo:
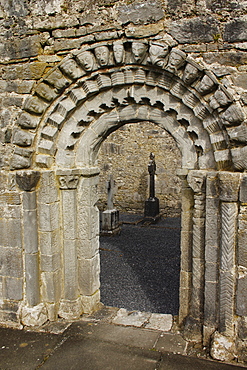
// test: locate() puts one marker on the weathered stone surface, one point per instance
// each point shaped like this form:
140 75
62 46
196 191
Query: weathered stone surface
34 316
11 262
160 322
14 288
51 286
241 296
229 185
27 180
194 30
134 318
236 30
138 12
71 310
223 348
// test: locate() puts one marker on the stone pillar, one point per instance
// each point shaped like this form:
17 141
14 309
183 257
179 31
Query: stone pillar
196 180
88 239
50 243
212 247
229 191
186 246
27 181
70 305
241 294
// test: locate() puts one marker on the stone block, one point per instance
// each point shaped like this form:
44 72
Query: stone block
46 147
51 286
11 233
71 310
139 13
11 262
48 216
144 30
229 185
243 189
88 248
30 231
50 242
32 278
211 302
241 296
34 316
19 162
134 318
211 271
44 161
89 275
69 214
70 269
50 263
88 223
49 132
236 30
222 348
194 30
29 201
48 189
13 288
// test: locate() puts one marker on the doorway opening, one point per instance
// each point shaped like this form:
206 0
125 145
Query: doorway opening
140 267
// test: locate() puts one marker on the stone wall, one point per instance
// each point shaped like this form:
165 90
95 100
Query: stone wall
55 115
125 155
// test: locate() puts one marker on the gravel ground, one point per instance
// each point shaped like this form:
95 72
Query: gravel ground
140 267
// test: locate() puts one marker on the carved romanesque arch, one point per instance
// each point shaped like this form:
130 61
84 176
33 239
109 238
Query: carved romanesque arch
73 109
130 72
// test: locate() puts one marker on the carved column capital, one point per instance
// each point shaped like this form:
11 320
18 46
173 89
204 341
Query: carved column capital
229 185
27 180
68 180
197 180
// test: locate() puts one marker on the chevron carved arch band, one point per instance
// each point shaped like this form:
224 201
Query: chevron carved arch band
102 86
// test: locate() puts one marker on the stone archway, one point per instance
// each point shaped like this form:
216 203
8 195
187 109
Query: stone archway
73 109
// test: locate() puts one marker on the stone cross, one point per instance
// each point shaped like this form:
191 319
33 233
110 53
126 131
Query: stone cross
151 170
110 186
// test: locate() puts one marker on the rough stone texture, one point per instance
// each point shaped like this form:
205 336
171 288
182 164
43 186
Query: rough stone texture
223 348
184 74
125 155
194 30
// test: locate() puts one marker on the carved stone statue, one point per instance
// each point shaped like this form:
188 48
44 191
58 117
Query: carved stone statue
118 51
102 55
46 92
206 85
71 68
190 73
219 99
176 60
34 105
232 115
86 60
139 51
158 53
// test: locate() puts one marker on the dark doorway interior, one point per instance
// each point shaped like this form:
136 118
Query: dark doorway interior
140 267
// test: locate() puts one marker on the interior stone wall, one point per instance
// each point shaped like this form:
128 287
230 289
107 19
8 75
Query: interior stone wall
54 116
125 155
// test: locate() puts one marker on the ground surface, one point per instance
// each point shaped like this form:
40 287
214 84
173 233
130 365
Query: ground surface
97 342
140 267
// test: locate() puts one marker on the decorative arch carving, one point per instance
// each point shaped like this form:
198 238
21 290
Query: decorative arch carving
100 80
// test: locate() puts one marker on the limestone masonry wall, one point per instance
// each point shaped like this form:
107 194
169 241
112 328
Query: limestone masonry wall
88 89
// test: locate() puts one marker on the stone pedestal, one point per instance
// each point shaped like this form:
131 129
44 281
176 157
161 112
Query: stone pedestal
110 222
152 209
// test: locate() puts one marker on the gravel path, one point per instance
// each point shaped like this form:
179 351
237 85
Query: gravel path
140 267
